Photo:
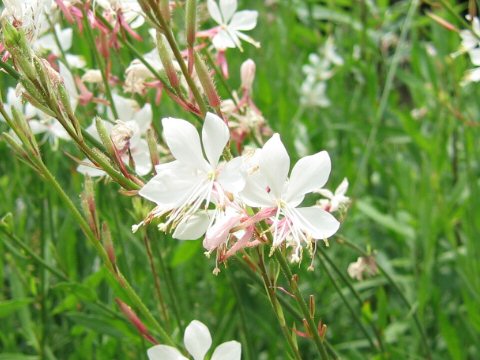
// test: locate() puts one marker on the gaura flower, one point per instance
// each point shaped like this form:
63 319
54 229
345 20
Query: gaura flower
182 186
270 187
335 200
197 340
232 23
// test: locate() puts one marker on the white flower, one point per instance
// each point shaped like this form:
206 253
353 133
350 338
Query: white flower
270 187
314 94
363 265
136 122
197 340
129 9
335 200
29 15
232 23
182 186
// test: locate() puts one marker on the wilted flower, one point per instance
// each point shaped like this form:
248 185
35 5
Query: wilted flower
364 265
197 340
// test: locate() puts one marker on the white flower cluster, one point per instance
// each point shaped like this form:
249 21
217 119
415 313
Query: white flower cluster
225 201
317 72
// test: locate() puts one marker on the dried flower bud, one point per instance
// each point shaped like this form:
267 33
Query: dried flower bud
247 72
121 135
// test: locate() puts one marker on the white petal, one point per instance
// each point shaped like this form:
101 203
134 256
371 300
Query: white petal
232 177
193 228
217 234
69 83
126 108
316 222
164 352
75 61
228 8
184 143
143 118
255 192
223 40
475 56
244 20
215 135
309 173
342 188
230 350
141 157
197 339
87 168
274 164
214 11
64 37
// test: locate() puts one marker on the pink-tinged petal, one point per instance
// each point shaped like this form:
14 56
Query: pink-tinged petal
244 20
230 350
224 40
232 177
193 228
217 234
308 174
197 339
143 118
184 143
316 222
255 192
274 165
228 8
214 11
164 352
215 135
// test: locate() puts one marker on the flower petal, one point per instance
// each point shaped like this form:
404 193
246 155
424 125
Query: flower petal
228 8
217 234
232 177
316 222
230 350
197 339
274 164
141 157
214 11
255 192
184 143
143 118
215 135
223 40
309 173
193 228
244 20
164 352
126 108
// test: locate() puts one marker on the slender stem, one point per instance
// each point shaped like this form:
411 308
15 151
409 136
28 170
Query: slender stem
277 309
352 290
347 304
399 291
10 70
301 303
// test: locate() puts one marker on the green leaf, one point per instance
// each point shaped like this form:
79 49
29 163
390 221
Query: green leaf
185 252
10 306
83 292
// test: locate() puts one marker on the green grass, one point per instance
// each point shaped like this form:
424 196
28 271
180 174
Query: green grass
414 185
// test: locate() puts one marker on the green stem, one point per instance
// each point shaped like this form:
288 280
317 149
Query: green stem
10 70
302 304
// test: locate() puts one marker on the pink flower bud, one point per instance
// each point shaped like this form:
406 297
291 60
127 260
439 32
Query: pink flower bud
247 72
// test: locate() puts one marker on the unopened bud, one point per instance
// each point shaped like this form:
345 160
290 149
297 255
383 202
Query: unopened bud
152 147
312 306
135 320
191 21
167 61
121 134
165 10
247 72
89 207
207 82
108 244
104 136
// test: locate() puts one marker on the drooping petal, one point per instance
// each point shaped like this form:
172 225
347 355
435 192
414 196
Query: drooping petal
309 173
193 228
214 11
164 352
228 8
197 339
315 222
217 234
230 350
215 135
244 20
184 143
274 164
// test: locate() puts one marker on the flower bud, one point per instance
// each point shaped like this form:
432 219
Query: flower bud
191 21
121 134
247 72
104 136
152 147
165 10
167 61
206 81
92 76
